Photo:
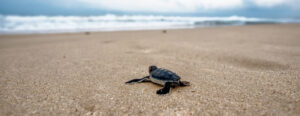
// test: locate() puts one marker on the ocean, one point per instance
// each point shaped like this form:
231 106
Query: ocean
14 24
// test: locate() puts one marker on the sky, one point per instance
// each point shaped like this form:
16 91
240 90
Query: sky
248 8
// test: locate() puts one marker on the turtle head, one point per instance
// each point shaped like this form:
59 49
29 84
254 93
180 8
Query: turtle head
152 68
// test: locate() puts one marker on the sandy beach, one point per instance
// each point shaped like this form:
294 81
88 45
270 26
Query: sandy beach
241 70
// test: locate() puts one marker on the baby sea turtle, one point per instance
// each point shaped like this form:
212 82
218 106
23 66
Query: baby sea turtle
162 77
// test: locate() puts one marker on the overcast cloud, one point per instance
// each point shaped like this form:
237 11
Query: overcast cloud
261 8
185 5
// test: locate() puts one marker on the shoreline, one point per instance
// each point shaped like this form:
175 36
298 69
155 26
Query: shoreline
128 30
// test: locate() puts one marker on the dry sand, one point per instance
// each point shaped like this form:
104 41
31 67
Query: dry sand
244 70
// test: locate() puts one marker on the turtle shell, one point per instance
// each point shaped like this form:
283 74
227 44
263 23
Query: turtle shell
164 75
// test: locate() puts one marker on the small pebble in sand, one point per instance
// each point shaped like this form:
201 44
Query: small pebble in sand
87 33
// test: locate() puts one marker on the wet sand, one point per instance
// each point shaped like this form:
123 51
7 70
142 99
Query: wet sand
243 70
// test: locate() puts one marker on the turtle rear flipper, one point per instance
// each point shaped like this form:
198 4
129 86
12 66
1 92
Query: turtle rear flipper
166 89
145 79
184 83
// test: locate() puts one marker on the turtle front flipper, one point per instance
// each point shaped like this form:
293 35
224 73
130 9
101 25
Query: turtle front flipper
166 89
145 79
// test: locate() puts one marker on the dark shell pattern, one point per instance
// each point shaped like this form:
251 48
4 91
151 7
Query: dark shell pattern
164 75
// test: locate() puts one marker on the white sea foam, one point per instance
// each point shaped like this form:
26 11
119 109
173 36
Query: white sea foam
56 24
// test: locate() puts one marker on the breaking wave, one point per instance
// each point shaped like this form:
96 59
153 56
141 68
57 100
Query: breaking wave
56 24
